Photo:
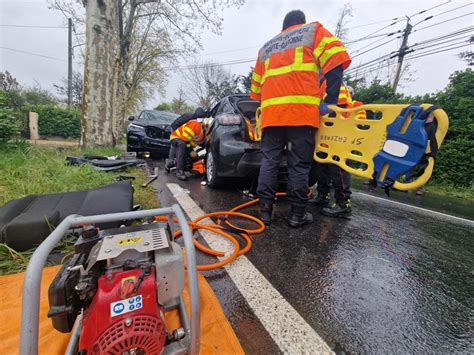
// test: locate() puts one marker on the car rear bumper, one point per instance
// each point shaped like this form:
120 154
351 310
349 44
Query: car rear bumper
249 164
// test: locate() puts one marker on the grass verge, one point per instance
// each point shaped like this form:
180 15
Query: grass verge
466 193
27 170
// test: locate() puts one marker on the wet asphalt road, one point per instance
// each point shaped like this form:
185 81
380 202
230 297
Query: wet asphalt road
389 280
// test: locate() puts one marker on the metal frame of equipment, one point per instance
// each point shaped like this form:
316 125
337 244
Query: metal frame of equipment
32 281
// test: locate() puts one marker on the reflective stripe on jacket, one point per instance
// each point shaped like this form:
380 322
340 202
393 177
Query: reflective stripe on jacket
190 132
345 98
286 74
362 115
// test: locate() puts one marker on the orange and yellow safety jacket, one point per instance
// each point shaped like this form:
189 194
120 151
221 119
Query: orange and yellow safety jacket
345 100
362 115
191 132
286 74
250 128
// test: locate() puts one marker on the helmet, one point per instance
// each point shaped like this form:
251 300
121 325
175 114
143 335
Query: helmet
206 122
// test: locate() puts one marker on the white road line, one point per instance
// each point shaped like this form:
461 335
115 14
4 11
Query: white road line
284 324
421 209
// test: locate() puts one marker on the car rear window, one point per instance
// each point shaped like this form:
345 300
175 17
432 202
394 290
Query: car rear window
161 117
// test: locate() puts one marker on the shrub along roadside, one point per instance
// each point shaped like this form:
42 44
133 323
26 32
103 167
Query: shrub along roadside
57 121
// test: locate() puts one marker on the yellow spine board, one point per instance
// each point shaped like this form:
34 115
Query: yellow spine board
351 142
347 140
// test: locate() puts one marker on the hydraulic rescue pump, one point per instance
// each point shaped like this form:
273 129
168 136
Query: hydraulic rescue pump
114 291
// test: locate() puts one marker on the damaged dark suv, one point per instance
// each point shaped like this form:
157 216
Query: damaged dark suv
150 132
232 150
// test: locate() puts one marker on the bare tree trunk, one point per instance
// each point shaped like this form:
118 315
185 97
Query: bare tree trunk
100 84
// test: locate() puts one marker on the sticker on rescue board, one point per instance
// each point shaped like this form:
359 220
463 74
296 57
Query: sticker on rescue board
388 141
126 306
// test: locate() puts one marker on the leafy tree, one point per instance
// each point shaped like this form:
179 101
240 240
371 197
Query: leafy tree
344 15
467 56
179 104
376 92
164 106
77 86
129 45
246 81
8 122
38 96
8 82
208 82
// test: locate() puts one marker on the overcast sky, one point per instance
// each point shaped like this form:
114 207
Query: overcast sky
245 29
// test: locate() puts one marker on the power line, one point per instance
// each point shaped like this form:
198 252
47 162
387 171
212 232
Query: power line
450 41
456 33
231 50
397 19
424 54
375 62
431 8
33 26
34 54
375 47
440 14
199 66
456 8
377 65
439 23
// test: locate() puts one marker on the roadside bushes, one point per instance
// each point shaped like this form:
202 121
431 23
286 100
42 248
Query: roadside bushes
8 123
57 121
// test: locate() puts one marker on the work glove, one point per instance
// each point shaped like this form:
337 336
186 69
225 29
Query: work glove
324 109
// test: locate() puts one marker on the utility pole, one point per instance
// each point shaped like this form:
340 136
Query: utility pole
69 63
401 54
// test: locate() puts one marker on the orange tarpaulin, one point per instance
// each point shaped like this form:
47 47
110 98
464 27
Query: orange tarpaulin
217 336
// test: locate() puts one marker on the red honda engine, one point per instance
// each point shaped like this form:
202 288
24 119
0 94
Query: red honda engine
119 284
124 316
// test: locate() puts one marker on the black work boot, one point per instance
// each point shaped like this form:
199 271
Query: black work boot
181 175
339 209
322 200
299 217
266 210
169 163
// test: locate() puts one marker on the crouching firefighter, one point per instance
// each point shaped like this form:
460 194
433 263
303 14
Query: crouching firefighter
286 82
190 134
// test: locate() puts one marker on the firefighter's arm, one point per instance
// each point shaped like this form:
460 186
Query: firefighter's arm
334 81
329 51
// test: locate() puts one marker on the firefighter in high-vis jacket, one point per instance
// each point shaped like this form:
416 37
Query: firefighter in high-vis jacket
286 82
191 134
331 173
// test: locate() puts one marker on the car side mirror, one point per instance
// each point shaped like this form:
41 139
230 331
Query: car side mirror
131 118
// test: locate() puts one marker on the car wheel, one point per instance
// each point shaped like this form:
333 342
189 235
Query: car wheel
211 171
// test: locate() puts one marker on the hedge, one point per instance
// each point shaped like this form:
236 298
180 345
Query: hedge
57 121
8 125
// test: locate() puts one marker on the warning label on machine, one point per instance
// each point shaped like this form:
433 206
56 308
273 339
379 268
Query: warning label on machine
125 306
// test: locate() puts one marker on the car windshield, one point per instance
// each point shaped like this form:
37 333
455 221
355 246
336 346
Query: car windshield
161 117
